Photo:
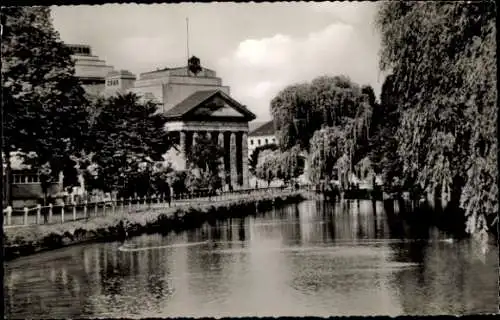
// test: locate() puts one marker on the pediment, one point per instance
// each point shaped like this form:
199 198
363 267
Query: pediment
217 107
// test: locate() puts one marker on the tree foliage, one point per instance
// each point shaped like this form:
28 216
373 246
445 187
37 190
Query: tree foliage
253 160
443 59
128 138
286 165
348 142
299 110
44 104
204 161
382 149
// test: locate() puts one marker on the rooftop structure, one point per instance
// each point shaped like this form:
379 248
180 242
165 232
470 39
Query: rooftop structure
89 69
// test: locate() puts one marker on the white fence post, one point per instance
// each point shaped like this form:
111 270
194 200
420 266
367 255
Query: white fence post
123 205
74 210
85 209
113 203
51 212
104 204
26 216
38 213
129 204
95 208
9 215
62 212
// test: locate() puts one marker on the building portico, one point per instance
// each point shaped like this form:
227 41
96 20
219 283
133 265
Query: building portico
214 114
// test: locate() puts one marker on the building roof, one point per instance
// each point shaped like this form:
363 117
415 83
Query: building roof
121 73
267 129
168 69
254 125
197 98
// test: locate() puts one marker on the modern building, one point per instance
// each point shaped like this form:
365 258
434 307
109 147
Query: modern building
25 187
91 70
261 136
118 82
195 102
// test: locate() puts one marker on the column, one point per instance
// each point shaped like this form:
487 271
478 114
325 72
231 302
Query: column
222 169
209 135
195 136
244 160
233 165
182 147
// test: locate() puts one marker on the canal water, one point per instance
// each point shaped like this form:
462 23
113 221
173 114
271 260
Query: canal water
314 258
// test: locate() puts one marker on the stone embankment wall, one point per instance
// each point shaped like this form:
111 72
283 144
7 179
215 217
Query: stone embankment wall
29 240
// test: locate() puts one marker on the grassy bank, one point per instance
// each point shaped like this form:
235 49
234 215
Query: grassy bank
29 240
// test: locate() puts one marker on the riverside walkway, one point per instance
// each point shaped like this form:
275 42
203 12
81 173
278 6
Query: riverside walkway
57 214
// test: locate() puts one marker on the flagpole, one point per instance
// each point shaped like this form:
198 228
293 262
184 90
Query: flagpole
187 37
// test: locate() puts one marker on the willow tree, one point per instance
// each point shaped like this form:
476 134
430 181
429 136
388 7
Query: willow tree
268 169
327 146
299 110
443 58
383 144
291 164
347 139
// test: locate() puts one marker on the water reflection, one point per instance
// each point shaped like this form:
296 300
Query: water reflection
314 258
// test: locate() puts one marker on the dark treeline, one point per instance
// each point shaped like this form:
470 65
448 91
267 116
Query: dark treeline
433 130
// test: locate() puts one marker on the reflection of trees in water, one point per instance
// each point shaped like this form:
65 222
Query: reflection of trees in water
288 227
440 285
241 230
394 221
448 279
209 269
63 287
329 234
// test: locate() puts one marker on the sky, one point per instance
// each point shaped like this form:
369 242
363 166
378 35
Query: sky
256 48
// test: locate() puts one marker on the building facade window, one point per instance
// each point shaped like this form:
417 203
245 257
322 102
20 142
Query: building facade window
251 142
258 142
266 141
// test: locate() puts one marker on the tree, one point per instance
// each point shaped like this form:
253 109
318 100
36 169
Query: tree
44 104
299 110
128 138
291 164
443 58
286 165
253 160
383 143
204 161
327 146
268 169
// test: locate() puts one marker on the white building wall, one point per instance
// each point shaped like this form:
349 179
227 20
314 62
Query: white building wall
257 141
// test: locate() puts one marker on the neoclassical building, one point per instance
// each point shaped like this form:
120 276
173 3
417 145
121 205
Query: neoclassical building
194 100
195 103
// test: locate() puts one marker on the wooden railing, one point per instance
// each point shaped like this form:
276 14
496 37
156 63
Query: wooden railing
81 211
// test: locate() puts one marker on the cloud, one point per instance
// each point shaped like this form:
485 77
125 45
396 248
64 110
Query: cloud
262 67
355 13
288 43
